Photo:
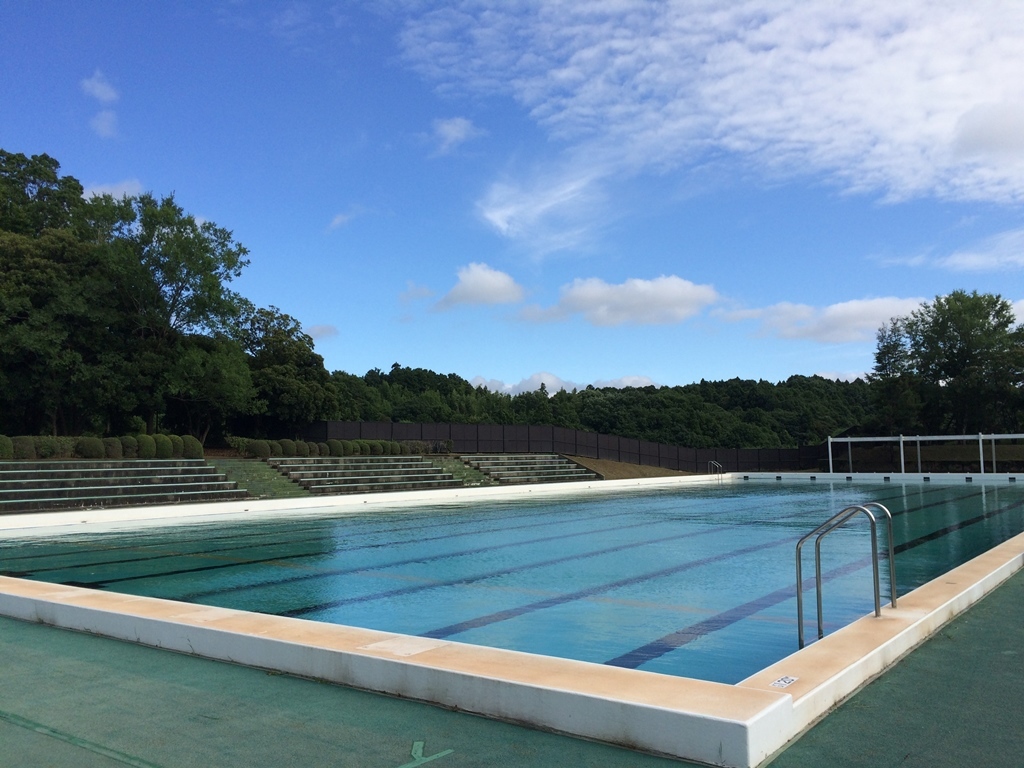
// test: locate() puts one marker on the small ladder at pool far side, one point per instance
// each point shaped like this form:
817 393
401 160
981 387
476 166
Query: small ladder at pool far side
840 518
714 468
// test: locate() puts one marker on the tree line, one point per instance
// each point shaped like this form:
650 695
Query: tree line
117 316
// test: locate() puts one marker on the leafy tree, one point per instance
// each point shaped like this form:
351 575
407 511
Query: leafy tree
291 383
958 360
210 383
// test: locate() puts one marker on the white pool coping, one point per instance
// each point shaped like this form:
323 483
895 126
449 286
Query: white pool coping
739 725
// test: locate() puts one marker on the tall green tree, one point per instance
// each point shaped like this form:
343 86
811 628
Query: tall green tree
961 357
292 385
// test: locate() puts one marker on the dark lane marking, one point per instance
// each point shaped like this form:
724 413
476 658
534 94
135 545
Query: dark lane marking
327 529
671 642
697 515
343 571
511 613
101 583
545 563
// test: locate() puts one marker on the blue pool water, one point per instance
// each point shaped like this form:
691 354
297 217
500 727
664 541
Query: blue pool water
693 582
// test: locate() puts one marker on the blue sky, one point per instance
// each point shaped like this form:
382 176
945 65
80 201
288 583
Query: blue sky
612 192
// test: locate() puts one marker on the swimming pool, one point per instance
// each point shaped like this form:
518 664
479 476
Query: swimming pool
696 582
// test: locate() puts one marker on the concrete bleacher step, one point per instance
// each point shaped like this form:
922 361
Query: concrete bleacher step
509 469
27 486
363 474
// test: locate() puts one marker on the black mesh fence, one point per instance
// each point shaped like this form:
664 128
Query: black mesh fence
521 438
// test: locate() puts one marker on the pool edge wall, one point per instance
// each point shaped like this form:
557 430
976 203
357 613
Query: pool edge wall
741 726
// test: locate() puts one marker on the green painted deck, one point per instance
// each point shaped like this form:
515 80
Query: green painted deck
70 699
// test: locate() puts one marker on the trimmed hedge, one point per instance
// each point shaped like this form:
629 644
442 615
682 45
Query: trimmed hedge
49 447
177 446
90 448
164 447
129 447
147 447
301 448
112 448
349 447
191 448
276 449
334 448
6 447
324 448
23 447
259 449
287 447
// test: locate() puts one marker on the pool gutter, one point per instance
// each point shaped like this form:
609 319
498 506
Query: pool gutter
730 725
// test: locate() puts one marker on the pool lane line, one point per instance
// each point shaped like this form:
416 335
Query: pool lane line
511 613
296 612
696 516
670 642
327 526
101 583
675 640
99 749
193 596
334 550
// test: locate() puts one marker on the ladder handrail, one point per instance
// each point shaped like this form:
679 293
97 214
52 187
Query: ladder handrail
837 520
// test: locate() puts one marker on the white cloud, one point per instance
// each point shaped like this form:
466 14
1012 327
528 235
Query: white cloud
1004 251
549 213
450 133
661 301
848 321
118 189
480 284
104 124
555 383
906 99
1018 311
99 88
317 332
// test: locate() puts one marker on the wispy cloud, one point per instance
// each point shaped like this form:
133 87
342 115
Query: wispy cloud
1018 311
1004 251
848 321
661 301
902 100
317 332
99 88
117 189
480 284
453 132
346 217
104 122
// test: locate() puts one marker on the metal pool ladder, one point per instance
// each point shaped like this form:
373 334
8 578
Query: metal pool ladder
821 532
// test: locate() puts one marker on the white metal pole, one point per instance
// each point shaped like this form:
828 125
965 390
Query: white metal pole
994 470
981 452
919 454
830 454
903 461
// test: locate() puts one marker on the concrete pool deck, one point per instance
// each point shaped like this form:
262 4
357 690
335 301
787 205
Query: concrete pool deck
730 725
